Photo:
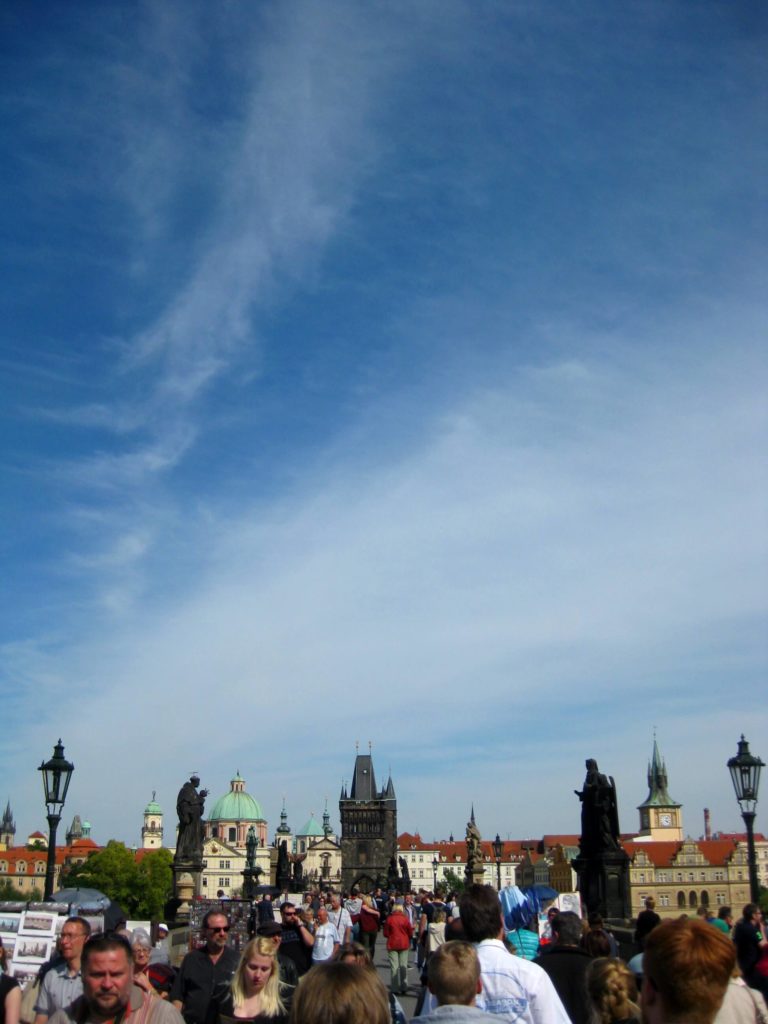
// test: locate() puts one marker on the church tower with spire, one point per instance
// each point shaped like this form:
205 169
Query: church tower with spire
7 829
368 828
660 817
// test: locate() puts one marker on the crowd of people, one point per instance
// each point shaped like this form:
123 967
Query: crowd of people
313 963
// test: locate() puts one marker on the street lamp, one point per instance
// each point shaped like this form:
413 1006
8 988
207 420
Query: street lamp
498 853
435 863
56 775
745 773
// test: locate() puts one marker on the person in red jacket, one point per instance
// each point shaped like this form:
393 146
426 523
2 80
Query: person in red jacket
398 932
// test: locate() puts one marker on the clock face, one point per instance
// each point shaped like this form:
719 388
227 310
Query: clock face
665 819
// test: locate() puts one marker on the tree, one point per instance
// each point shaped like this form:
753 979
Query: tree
452 882
155 884
141 889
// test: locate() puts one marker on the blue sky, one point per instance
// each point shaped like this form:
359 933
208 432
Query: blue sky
388 372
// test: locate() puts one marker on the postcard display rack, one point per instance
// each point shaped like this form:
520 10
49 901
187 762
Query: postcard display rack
29 933
238 912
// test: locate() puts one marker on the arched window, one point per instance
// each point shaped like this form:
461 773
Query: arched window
704 898
681 901
232 834
692 900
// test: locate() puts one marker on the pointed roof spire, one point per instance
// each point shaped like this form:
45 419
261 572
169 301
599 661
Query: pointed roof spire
472 815
363 780
283 828
658 794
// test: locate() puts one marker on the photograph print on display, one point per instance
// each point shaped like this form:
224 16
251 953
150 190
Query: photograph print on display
36 922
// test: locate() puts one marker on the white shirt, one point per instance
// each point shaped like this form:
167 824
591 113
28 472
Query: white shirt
340 920
515 988
326 937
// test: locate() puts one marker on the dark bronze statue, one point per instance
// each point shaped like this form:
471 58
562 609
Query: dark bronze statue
189 807
599 812
283 878
393 879
298 873
405 878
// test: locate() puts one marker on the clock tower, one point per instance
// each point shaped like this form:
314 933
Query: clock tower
660 816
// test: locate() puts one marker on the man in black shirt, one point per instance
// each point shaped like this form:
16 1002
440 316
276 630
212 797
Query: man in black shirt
297 940
205 974
566 964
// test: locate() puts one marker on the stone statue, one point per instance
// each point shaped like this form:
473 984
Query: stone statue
599 812
405 885
473 846
189 807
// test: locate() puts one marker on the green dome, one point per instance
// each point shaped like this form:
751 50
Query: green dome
312 828
236 805
153 807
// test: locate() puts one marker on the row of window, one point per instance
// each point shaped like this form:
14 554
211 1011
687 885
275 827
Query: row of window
689 901
21 867
663 876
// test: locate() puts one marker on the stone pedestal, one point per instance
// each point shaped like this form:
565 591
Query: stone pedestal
475 874
604 883
186 885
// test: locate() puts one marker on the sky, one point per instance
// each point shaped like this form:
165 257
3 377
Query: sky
390 373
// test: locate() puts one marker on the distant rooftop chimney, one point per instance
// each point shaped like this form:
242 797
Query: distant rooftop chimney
707 824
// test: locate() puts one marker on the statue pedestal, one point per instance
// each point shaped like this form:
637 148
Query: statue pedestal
474 875
186 885
604 883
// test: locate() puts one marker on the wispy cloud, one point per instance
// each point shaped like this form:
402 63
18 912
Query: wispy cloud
406 383
528 540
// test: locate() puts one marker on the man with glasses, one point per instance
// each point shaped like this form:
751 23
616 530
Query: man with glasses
296 940
63 983
205 973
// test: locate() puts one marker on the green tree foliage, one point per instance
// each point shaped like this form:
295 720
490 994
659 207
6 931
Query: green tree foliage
453 882
141 889
155 884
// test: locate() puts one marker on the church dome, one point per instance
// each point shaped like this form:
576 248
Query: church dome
153 807
312 828
236 805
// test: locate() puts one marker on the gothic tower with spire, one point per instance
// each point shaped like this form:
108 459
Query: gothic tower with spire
368 828
7 829
660 817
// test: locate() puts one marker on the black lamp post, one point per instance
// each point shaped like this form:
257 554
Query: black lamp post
435 863
498 853
56 775
745 773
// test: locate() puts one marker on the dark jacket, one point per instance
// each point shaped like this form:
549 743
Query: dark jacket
567 968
